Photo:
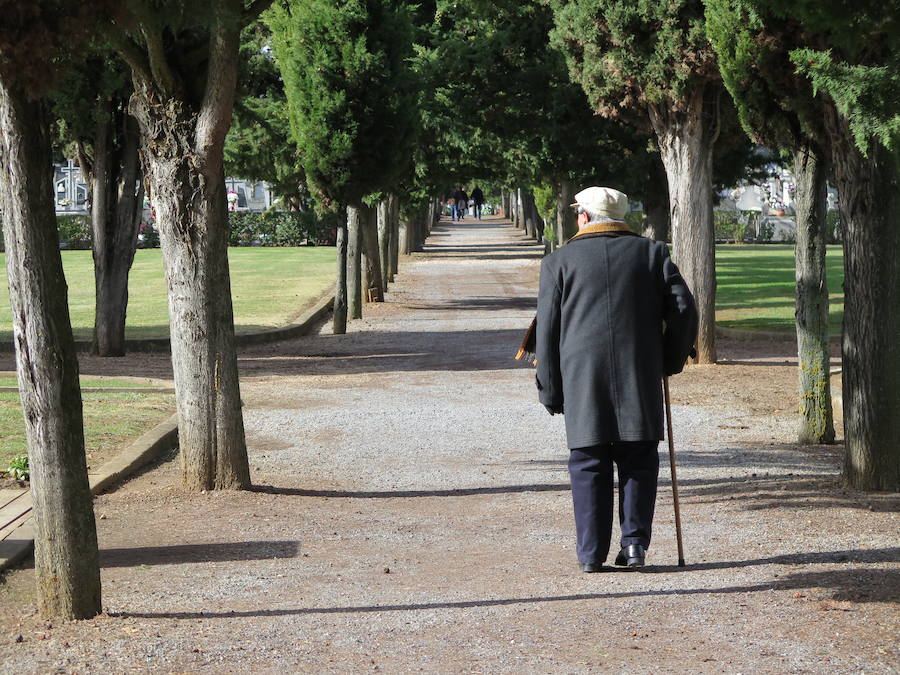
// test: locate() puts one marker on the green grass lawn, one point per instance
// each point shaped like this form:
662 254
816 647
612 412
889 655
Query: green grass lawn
111 421
756 287
270 287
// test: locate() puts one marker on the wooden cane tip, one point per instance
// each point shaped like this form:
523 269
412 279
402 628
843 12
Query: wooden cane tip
681 562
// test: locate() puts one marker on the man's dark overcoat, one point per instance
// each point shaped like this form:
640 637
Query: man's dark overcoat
614 316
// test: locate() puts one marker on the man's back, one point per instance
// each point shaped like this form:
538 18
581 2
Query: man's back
602 348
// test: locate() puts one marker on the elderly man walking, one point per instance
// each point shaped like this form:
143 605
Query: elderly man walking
614 316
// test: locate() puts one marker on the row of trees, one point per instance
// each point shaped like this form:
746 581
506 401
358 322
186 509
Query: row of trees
370 109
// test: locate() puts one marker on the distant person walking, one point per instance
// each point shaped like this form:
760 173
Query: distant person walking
453 203
478 200
614 316
463 203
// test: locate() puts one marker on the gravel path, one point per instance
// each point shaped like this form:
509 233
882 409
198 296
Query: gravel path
412 514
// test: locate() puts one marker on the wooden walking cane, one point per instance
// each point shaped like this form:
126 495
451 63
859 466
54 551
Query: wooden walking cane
672 467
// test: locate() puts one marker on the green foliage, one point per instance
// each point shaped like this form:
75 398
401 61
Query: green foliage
729 226
259 145
635 221
628 54
280 228
18 468
75 230
867 95
351 95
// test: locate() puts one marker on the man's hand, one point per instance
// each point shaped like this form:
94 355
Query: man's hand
554 409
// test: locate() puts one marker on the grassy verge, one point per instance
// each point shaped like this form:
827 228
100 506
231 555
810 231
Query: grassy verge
270 287
756 287
111 421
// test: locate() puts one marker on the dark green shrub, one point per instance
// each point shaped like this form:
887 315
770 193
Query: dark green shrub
280 228
729 226
75 231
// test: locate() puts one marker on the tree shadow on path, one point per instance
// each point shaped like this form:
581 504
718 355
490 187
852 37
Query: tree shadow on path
855 584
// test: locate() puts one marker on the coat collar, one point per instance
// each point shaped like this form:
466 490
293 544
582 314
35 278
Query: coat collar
605 227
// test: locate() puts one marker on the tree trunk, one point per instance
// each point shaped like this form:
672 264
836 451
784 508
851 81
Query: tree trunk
686 142
518 220
656 204
354 262
816 419
65 544
339 317
869 188
187 182
394 257
530 215
116 207
373 291
566 224
384 230
504 204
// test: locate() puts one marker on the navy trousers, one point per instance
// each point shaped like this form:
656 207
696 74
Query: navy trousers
591 474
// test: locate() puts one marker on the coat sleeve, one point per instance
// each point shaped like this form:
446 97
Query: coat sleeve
549 376
680 316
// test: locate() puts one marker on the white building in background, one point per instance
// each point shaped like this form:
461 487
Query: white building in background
72 192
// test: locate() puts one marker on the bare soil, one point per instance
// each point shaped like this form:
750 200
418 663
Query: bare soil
412 514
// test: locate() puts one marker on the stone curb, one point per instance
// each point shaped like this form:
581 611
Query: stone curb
319 309
159 439
787 336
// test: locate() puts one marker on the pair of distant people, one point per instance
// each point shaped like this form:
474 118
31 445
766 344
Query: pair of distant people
459 203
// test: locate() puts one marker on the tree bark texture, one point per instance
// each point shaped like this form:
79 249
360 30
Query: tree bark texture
66 563
187 183
530 214
656 204
339 316
686 141
373 291
117 197
354 262
816 424
394 251
869 188
516 208
566 223
384 229
504 204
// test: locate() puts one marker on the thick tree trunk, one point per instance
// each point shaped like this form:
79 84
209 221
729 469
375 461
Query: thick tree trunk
187 182
869 188
384 231
373 291
354 262
406 232
686 143
566 224
504 204
529 214
816 419
656 204
65 544
116 206
518 219
394 252
339 317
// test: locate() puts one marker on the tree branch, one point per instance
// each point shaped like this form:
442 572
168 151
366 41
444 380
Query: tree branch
133 55
252 12
156 51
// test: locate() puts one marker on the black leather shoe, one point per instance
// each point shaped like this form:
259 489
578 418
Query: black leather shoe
631 556
591 567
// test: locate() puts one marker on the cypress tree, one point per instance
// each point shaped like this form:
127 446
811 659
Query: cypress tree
650 60
352 106
780 110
